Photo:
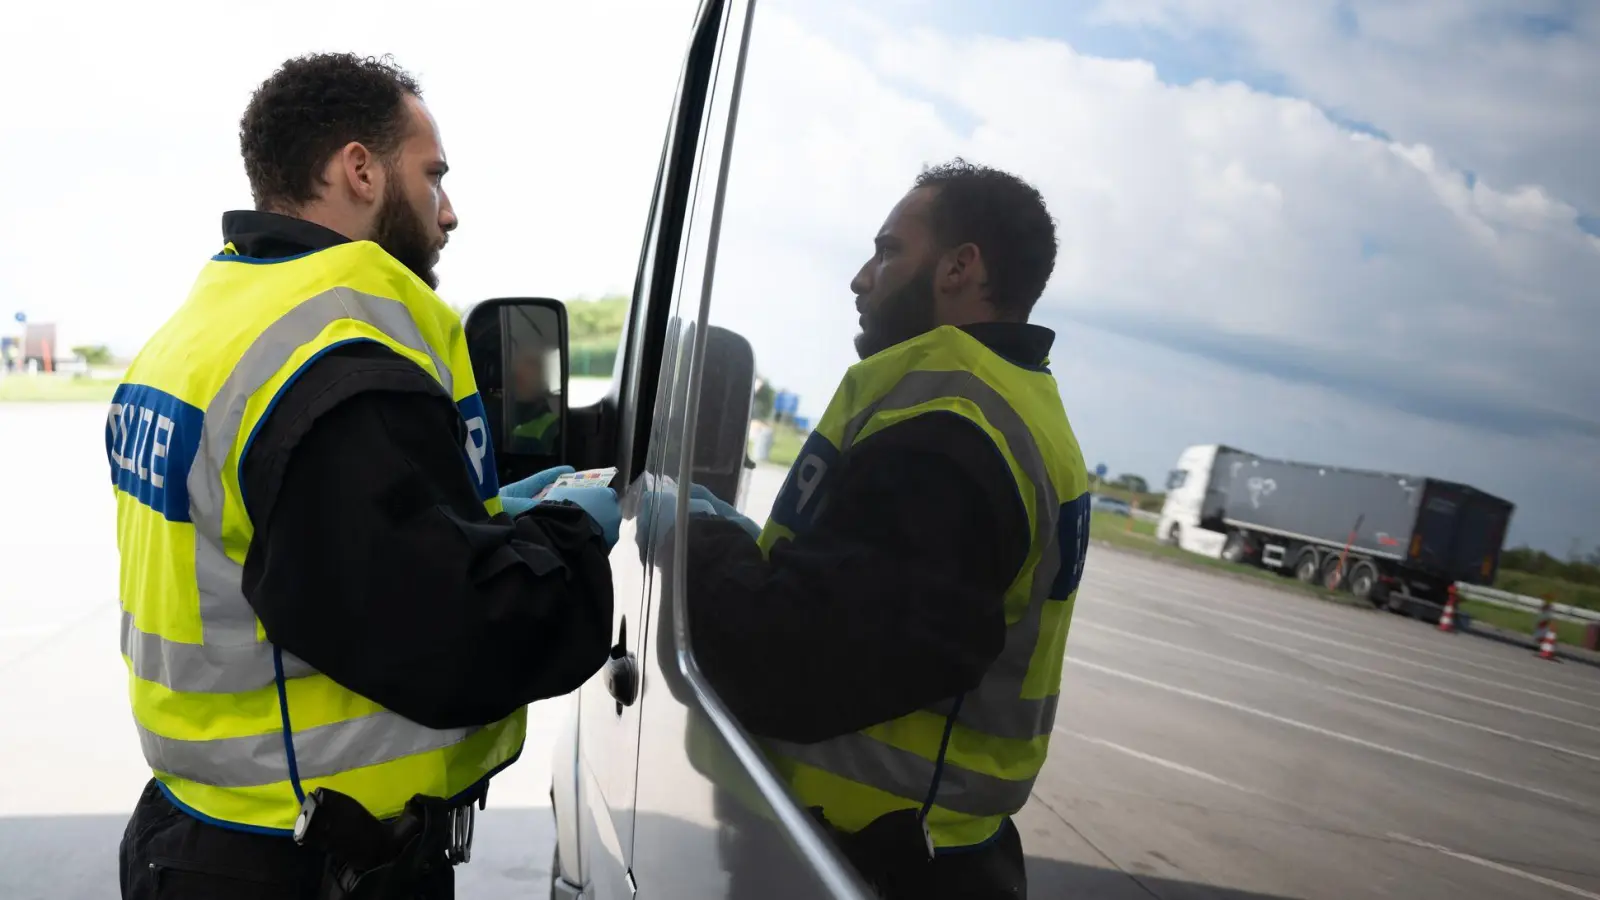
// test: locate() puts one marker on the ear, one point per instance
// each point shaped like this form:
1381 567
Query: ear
357 170
963 269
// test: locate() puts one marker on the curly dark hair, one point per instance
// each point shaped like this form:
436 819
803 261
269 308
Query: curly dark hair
1006 218
312 106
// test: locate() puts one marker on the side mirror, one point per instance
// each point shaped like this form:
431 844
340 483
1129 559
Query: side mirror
722 423
519 360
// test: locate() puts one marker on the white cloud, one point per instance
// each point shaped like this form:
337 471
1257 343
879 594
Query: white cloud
1507 86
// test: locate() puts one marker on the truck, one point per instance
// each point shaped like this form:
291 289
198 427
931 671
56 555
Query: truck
1398 541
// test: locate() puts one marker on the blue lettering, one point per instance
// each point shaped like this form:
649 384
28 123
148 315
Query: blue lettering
478 449
152 439
1072 540
805 489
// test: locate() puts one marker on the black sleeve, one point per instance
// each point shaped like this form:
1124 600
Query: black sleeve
374 560
892 601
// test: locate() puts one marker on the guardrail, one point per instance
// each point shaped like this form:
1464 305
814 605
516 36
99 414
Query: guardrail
1509 600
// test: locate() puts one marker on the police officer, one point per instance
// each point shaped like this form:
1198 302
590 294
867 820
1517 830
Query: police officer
896 631
332 625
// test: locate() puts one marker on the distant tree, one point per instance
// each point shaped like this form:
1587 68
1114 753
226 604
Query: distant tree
93 354
597 321
1134 483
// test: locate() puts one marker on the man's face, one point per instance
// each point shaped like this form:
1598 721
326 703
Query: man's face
415 215
895 289
528 376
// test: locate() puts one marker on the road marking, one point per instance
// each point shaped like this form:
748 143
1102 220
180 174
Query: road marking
1371 652
1307 654
1498 867
1152 583
1337 690
1164 763
1262 609
1324 732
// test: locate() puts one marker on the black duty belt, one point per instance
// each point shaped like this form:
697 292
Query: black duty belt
369 858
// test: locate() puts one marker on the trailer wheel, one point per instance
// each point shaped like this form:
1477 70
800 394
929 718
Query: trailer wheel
1234 548
1363 579
1333 575
1173 536
1305 566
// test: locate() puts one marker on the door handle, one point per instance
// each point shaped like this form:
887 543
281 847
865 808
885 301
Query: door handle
622 677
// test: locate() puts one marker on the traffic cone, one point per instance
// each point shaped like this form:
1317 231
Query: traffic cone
1447 621
1547 646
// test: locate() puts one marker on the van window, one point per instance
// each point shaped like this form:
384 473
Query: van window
1177 478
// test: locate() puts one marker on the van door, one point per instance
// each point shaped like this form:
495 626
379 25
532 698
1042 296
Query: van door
610 703
712 819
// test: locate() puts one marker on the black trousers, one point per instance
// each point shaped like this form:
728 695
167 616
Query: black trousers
899 868
168 854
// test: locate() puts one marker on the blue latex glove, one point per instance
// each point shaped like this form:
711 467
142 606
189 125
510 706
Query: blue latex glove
599 502
517 497
724 509
658 518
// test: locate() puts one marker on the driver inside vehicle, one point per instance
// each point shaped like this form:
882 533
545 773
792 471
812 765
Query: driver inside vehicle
535 417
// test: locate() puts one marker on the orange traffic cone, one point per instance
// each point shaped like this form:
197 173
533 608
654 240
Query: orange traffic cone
1547 646
1447 621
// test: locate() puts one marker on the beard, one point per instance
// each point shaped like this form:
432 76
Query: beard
899 317
403 235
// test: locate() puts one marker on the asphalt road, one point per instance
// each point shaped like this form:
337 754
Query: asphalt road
1215 739
1218 739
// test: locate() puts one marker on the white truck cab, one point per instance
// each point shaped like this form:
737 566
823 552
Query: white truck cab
1183 513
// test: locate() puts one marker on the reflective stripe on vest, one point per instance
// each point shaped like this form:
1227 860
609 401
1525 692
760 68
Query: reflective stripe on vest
999 728
231 659
234 728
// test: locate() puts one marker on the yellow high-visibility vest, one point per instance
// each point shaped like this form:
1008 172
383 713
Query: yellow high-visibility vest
237 731
970 761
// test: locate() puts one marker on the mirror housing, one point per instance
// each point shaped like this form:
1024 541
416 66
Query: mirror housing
518 347
722 422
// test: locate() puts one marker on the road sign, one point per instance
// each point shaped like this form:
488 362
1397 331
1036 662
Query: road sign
22 318
1100 471
786 403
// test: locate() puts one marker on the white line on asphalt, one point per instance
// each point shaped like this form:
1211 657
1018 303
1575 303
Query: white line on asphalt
1324 732
1165 763
1307 654
1162 584
1252 620
1262 609
1498 867
1336 690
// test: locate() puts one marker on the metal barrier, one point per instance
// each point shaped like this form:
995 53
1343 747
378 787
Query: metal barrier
1508 600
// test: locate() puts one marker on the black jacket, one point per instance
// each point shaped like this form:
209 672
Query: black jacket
373 558
892 601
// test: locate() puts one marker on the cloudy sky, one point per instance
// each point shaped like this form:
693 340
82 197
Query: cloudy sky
1358 233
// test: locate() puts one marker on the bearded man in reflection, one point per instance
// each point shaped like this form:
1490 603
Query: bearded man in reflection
894 634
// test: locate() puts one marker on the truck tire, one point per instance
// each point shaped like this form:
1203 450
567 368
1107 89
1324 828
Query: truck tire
1363 579
1305 566
1332 576
1234 548
1173 536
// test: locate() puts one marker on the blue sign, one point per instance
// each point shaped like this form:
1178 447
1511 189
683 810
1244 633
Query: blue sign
802 423
22 317
786 404
1100 470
